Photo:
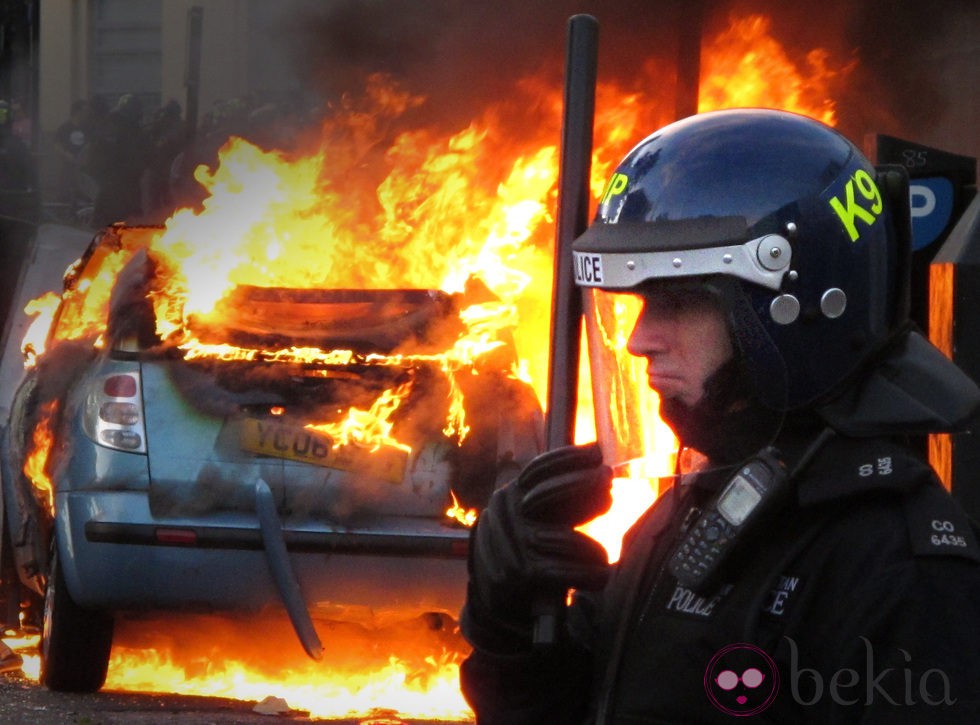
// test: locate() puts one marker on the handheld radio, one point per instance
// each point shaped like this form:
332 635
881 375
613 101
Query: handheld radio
758 484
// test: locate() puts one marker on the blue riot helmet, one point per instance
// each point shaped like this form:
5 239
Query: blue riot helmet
784 219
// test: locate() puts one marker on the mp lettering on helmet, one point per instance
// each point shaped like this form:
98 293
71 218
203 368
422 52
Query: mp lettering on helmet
617 185
863 205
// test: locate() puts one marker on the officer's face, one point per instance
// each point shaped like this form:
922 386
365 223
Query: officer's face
682 334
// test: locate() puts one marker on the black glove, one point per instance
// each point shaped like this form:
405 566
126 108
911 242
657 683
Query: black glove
524 549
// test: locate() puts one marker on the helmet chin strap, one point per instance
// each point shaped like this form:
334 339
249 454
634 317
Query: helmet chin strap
728 423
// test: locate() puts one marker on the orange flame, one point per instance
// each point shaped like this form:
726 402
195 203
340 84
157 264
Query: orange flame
457 512
370 428
409 669
36 460
405 690
630 499
34 342
746 66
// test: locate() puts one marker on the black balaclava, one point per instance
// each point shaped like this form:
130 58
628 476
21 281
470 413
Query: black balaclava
728 423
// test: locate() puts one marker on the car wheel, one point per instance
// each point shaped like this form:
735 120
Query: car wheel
75 642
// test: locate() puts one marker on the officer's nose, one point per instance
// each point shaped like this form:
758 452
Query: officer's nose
650 335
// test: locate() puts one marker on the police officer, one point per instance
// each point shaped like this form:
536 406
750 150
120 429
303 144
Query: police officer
20 204
814 570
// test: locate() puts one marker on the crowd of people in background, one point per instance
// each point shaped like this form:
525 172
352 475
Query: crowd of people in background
20 203
18 173
122 163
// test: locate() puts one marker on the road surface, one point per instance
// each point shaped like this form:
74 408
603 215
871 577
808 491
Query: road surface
24 702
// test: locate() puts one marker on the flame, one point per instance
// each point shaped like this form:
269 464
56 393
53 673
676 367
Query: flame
36 460
630 499
34 342
404 689
746 66
27 647
411 669
370 428
457 512
942 283
364 209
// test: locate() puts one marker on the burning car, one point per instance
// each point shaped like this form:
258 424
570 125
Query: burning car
291 447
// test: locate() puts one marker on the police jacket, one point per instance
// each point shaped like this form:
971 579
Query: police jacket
858 600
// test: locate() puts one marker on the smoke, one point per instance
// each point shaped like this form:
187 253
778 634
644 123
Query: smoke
912 65
920 72
914 62
461 56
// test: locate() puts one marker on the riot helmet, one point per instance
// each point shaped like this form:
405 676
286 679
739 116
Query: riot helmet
784 219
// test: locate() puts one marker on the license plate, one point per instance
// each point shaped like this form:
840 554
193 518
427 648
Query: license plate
296 443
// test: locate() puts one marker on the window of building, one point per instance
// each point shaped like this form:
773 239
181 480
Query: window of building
126 50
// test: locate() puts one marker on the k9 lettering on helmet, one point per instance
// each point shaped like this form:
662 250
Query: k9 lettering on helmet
852 210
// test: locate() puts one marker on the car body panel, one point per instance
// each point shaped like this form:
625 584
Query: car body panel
214 471
229 569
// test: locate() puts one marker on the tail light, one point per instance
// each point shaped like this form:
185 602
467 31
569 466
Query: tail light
114 413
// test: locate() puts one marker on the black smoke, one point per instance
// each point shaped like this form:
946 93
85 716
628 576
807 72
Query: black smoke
915 62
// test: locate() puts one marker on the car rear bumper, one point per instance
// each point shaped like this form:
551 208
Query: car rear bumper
299 541
118 556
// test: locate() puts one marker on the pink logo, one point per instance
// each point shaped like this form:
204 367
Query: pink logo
741 680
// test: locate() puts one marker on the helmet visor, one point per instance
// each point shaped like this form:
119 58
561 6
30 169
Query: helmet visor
667 371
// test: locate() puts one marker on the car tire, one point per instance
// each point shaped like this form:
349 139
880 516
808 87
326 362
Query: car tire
75 642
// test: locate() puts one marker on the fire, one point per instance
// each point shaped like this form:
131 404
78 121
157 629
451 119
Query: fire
411 670
404 690
630 498
44 308
746 66
36 460
369 428
27 648
420 210
941 288
459 513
